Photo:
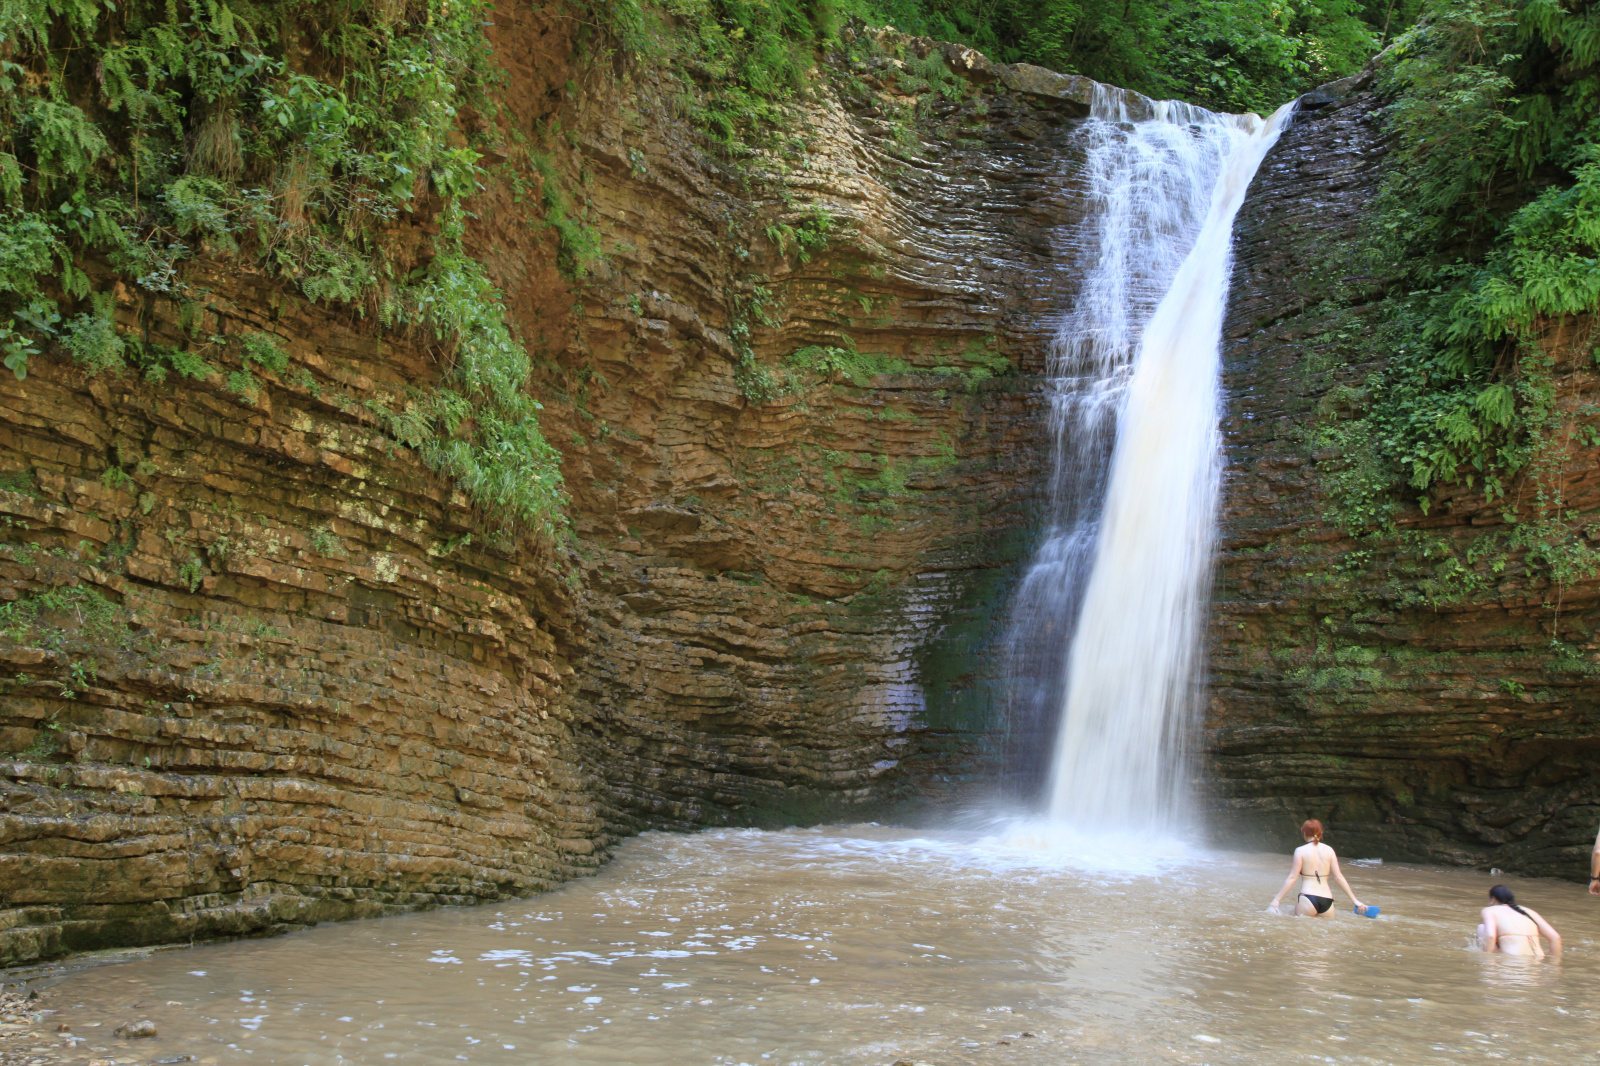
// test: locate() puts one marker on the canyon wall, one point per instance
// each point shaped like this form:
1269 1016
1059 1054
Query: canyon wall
263 668
1429 690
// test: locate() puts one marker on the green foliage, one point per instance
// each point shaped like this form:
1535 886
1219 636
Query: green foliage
256 349
1546 266
326 542
578 244
1230 54
505 463
749 58
986 365
79 675
446 548
156 361
266 351
93 341
290 138
806 235
55 617
73 620
46 742
29 248
192 573
1486 235
847 364
930 73
18 347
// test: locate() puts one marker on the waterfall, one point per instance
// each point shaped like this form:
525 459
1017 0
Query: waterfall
1104 641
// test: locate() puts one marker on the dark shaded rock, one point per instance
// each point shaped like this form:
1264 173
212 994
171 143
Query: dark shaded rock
1419 718
1072 91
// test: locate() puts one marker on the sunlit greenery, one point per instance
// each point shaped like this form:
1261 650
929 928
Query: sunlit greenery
1487 234
1230 54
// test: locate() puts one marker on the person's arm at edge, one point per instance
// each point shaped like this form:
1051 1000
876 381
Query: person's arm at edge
1491 935
1547 929
1594 868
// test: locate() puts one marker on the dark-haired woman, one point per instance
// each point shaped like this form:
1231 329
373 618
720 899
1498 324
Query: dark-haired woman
1511 929
1316 867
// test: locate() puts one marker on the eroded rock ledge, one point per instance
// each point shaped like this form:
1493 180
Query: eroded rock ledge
312 683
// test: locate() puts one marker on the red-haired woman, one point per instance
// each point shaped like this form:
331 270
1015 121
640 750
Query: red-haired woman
1317 867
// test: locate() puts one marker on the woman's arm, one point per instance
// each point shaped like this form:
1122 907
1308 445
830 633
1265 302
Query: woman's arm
1594 868
1490 933
1548 930
1294 873
1338 875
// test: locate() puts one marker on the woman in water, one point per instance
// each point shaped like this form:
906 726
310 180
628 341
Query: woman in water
1513 930
1316 866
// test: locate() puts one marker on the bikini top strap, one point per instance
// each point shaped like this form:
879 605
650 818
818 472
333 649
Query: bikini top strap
1316 853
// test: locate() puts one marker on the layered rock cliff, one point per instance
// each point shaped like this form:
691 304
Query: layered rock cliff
264 668
1429 690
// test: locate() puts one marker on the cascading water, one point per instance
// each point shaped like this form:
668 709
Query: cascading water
1104 639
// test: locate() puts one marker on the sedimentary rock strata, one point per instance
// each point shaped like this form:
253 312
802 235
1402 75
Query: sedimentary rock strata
269 669
1429 690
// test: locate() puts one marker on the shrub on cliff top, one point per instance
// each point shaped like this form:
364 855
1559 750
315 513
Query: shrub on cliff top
1227 54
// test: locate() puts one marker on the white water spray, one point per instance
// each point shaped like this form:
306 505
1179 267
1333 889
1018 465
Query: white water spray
1128 555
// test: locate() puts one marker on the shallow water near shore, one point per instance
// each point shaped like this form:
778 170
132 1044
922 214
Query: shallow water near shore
867 944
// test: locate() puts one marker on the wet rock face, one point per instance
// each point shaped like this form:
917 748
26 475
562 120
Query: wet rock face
284 674
1407 688
792 602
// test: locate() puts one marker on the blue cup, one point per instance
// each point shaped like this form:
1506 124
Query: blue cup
1370 911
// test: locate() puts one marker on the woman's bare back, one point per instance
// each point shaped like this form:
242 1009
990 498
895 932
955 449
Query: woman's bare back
1516 933
1316 867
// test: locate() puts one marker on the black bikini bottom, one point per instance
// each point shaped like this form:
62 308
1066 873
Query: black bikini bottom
1322 903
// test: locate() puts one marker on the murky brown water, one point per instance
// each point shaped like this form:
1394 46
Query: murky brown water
870 945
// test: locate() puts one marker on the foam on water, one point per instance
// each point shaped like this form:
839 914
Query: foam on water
1001 845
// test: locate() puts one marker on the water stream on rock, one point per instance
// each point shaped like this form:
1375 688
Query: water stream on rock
1106 625
866 946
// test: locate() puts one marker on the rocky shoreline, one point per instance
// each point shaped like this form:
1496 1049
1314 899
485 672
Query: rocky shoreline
26 1034
30 1035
